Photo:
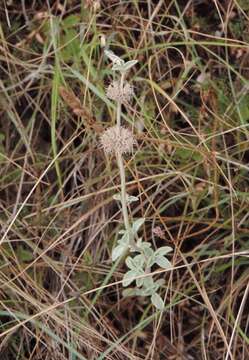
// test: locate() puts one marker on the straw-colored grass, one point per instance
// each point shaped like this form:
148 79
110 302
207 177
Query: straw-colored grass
60 292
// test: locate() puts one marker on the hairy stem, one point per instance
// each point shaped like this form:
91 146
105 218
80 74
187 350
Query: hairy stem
118 113
119 103
122 173
123 191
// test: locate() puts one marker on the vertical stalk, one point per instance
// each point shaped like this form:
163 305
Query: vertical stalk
123 191
121 166
118 115
119 102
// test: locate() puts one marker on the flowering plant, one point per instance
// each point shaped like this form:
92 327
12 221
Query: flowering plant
119 140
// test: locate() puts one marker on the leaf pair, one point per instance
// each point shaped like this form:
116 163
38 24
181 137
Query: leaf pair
155 298
124 242
118 63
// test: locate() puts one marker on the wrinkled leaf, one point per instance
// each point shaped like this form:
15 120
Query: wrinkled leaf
157 301
118 251
163 262
128 278
114 58
163 250
139 261
136 263
129 263
148 282
151 260
143 245
129 292
124 67
149 253
139 282
137 224
124 239
129 64
144 292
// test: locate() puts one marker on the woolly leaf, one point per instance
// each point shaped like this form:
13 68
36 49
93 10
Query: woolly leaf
124 239
139 261
139 282
157 301
129 262
137 224
129 292
163 262
148 282
114 58
129 64
163 250
124 67
128 278
118 251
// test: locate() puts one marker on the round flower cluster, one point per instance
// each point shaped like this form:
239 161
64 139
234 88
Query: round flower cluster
118 140
122 94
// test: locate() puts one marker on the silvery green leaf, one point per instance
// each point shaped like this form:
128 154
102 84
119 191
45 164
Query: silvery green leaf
163 262
128 278
151 261
129 262
143 292
137 224
163 250
135 263
129 198
129 292
114 58
157 301
125 66
139 282
118 251
125 238
119 67
148 282
143 245
148 252
129 64
139 261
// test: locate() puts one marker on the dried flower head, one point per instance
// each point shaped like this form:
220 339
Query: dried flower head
122 94
117 140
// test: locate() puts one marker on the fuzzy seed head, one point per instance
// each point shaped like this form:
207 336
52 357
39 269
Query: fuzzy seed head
118 93
118 140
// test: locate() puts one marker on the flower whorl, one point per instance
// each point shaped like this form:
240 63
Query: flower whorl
117 140
122 94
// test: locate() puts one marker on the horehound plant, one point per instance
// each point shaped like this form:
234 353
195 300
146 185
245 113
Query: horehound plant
140 257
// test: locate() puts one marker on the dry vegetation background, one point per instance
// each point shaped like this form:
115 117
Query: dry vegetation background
60 294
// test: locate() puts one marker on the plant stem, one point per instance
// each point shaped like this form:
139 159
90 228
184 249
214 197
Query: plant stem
123 191
118 114
119 102
122 172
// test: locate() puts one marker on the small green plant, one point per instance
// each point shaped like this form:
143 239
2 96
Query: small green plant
140 259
